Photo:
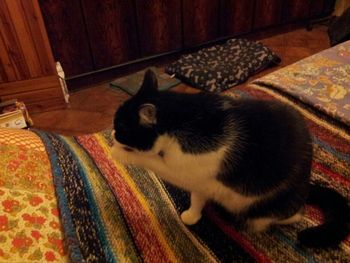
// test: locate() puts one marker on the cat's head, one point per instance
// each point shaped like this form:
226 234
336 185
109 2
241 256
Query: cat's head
135 121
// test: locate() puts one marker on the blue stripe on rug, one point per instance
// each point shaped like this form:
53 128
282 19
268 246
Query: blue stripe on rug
78 202
331 150
70 236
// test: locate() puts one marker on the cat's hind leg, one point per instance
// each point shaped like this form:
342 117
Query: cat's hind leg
261 224
290 220
192 215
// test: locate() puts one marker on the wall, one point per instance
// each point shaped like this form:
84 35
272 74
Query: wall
88 36
27 70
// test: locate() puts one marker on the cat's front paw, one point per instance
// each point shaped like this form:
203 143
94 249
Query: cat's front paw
189 217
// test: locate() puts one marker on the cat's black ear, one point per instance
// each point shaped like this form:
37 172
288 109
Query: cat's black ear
148 114
149 85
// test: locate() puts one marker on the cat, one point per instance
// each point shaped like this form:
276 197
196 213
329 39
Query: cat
252 157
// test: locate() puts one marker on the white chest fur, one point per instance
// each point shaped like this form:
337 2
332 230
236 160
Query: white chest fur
195 173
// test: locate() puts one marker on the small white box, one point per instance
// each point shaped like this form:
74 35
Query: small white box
13 119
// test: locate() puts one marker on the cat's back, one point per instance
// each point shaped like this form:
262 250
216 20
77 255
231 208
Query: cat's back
267 127
274 143
269 120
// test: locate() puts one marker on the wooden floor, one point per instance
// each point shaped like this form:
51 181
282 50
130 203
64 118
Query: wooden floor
92 109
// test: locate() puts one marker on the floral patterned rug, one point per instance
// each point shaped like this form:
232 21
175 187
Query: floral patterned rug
30 229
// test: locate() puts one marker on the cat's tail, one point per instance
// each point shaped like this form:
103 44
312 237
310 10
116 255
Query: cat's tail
336 218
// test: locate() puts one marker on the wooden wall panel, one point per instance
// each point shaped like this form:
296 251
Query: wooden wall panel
267 13
316 8
7 70
295 10
159 26
24 39
25 52
13 51
112 31
39 35
236 17
200 21
91 35
27 66
68 36
328 7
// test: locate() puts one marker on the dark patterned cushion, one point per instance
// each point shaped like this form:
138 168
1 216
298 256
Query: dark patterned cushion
222 66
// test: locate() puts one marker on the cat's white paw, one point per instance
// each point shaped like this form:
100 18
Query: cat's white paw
189 217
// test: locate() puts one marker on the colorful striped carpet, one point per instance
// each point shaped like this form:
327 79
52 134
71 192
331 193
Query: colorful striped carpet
116 213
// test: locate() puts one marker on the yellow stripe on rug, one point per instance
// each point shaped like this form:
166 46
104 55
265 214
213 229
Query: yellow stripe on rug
154 222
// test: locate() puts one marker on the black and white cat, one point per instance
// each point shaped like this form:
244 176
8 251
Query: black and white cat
252 157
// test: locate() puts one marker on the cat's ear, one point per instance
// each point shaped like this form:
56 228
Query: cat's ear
148 114
149 85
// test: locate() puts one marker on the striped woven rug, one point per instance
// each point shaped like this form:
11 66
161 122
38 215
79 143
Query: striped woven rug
116 213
